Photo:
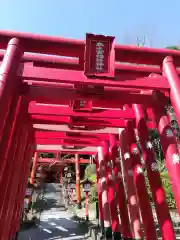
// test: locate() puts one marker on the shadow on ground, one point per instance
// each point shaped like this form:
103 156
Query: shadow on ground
55 222
51 198
46 204
57 228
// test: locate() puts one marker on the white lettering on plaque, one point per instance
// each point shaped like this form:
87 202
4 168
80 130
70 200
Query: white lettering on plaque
87 187
99 57
28 191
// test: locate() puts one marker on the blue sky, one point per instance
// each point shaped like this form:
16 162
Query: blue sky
157 20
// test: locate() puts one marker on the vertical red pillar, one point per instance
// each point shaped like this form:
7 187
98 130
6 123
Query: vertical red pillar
119 187
170 72
57 177
61 174
7 137
99 190
21 186
8 101
8 80
19 200
9 205
78 190
158 193
139 180
105 203
131 191
111 193
33 171
8 155
14 163
170 150
87 206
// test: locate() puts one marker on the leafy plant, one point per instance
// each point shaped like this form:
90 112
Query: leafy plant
46 155
90 174
173 47
168 190
93 196
90 170
166 184
92 178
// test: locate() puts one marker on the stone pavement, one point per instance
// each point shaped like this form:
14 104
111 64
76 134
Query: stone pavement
92 217
55 226
81 213
55 222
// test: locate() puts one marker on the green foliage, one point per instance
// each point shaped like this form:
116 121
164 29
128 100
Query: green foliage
90 174
90 170
92 178
46 155
93 196
173 47
154 137
168 189
166 184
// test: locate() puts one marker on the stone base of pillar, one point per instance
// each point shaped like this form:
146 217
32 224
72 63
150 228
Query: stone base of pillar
108 233
116 236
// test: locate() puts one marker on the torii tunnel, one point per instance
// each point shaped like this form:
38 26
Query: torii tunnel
90 97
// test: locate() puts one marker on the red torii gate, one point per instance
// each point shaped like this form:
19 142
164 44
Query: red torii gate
53 160
58 164
95 77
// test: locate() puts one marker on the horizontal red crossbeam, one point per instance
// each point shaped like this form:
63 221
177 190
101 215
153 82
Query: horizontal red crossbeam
63 95
54 134
78 77
68 151
75 48
44 44
76 129
50 61
91 123
67 141
67 111
64 161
